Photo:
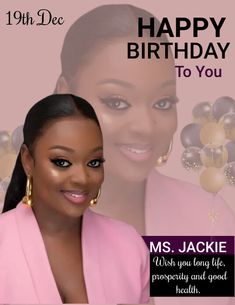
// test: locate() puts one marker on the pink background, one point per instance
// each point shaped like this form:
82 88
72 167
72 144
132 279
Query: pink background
30 63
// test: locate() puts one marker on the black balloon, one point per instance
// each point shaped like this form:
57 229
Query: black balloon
4 139
230 146
202 111
17 138
190 135
223 105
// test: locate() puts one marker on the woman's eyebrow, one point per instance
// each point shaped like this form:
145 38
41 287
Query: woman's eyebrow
61 147
116 81
98 148
125 84
170 82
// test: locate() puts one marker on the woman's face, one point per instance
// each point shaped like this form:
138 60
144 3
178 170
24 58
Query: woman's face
66 167
135 100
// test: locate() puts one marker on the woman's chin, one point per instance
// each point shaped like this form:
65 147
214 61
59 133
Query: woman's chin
130 174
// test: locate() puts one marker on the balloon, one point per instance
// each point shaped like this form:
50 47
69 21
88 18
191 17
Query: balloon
4 141
190 135
228 123
191 158
229 172
212 134
17 138
1 201
212 180
202 113
230 146
222 106
214 156
4 184
7 163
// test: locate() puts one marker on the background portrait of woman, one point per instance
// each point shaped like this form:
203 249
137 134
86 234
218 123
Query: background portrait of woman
136 101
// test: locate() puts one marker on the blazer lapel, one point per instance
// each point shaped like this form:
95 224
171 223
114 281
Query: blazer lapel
92 258
36 256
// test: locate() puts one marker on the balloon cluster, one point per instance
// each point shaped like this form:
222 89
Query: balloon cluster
10 144
209 143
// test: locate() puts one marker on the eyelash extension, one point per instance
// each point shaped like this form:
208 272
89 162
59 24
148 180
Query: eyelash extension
100 160
57 160
118 98
171 100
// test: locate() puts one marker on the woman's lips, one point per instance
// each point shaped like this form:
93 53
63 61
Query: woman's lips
136 152
76 197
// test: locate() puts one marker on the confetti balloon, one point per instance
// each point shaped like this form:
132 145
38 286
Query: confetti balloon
212 134
202 113
17 138
4 141
190 135
214 156
212 180
222 106
230 146
4 184
191 158
228 123
7 163
229 172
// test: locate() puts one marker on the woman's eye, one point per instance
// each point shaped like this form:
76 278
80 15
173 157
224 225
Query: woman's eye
165 104
61 162
96 163
116 103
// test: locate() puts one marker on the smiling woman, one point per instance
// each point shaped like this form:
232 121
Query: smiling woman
136 103
65 252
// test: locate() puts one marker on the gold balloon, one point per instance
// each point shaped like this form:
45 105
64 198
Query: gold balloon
7 163
212 180
214 156
212 134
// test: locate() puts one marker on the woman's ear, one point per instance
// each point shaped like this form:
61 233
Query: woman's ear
26 160
62 85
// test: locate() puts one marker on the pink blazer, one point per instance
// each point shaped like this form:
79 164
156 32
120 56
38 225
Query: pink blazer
175 207
115 261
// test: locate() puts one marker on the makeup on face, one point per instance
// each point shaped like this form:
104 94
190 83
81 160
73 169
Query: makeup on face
68 166
135 101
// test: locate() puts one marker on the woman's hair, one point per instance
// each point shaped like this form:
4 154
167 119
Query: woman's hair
100 25
50 108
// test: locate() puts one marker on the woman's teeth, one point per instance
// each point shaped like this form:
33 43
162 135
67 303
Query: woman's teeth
136 152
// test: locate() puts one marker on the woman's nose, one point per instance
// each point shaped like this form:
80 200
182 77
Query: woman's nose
142 121
79 175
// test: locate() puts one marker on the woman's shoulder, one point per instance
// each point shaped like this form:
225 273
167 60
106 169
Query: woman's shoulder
163 181
187 207
7 217
166 186
8 229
